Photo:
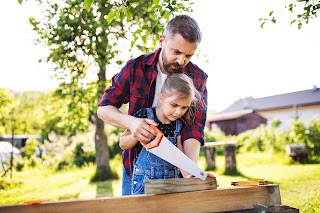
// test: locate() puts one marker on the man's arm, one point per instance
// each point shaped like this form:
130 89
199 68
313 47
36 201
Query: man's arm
139 127
192 149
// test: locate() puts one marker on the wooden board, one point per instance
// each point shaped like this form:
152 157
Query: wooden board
218 200
220 143
161 186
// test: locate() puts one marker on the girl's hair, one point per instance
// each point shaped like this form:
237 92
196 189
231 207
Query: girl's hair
183 84
185 26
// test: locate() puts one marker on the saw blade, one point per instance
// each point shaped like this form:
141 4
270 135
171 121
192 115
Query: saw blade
170 153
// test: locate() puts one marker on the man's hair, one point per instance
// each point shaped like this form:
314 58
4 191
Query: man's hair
183 84
184 25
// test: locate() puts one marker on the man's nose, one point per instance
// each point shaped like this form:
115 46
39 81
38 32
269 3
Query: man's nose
181 60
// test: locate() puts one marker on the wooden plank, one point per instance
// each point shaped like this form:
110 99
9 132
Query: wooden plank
161 186
220 143
224 199
250 182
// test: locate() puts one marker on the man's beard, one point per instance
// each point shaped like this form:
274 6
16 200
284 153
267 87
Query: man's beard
168 66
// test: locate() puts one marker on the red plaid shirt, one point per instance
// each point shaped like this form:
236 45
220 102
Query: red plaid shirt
136 84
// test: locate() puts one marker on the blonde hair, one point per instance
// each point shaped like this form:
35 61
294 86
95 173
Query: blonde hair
183 84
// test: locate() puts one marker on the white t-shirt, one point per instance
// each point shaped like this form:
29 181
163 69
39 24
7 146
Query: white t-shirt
161 77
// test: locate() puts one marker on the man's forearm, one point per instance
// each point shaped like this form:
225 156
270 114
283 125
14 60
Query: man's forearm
113 116
192 149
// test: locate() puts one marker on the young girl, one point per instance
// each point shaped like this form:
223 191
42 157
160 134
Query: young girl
177 99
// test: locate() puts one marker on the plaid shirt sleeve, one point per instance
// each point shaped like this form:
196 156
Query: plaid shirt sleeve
196 130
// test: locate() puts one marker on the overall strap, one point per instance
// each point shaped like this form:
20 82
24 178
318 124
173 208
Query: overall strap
150 113
178 128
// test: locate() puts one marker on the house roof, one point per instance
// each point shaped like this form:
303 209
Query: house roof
300 98
228 116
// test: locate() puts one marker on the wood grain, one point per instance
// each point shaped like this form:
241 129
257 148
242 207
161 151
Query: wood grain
179 185
218 200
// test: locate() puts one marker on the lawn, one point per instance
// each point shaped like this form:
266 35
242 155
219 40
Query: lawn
299 184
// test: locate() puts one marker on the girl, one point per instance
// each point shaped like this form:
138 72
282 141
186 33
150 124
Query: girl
177 100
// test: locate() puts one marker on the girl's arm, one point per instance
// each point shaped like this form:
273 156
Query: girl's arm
127 141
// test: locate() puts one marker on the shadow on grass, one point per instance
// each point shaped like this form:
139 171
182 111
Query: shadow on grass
69 196
104 189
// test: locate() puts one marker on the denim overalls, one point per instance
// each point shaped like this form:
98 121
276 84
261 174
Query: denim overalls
149 166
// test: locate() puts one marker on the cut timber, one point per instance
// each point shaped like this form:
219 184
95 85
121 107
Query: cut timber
161 186
250 182
218 200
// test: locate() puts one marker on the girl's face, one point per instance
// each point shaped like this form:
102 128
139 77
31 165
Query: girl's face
173 107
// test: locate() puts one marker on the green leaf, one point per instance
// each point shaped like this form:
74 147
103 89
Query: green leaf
292 22
156 2
270 13
166 15
291 8
273 20
111 16
87 4
20 1
144 39
262 24
129 15
117 14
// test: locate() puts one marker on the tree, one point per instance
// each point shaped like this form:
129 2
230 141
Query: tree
305 10
82 42
7 102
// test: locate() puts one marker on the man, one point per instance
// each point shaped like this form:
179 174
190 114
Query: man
141 79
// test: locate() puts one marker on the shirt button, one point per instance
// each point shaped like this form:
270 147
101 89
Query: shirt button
134 182
137 169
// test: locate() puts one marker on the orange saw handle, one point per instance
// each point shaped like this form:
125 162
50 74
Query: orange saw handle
156 141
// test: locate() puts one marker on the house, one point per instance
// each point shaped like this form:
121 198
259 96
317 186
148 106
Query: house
304 105
233 123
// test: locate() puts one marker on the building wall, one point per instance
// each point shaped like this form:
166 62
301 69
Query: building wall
305 113
249 121
238 125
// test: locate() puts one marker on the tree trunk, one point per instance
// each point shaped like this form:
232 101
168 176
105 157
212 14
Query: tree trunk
103 170
211 158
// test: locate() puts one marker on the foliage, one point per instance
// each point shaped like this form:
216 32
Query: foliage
215 134
62 117
78 154
313 137
305 10
7 103
21 112
273 139
82 157
31 147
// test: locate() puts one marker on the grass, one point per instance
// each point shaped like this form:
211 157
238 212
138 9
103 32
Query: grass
299 184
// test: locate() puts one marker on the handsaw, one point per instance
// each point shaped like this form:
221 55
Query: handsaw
164 149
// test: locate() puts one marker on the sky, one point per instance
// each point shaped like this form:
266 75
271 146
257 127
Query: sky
240 58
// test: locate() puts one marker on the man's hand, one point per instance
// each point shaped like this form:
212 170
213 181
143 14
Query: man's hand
141 130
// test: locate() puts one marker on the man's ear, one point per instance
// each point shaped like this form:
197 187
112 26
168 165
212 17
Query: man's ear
161 40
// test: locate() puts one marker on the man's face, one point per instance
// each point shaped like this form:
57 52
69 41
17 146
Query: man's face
176 53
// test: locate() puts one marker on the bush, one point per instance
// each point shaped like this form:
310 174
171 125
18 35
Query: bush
30 147
82 157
